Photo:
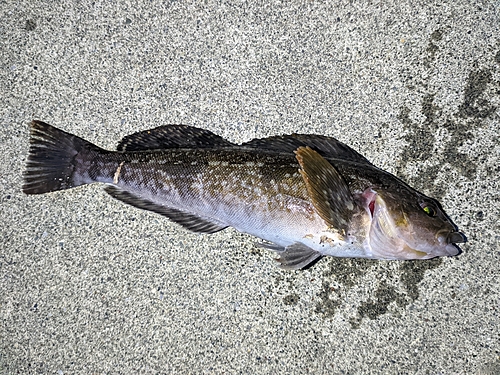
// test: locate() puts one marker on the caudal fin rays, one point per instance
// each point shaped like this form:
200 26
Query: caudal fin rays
51 162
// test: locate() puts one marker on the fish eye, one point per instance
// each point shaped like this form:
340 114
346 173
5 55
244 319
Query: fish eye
429 210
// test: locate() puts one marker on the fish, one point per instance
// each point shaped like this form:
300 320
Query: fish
305 195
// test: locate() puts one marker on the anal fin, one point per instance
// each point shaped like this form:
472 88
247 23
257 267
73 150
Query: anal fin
293 257
187 220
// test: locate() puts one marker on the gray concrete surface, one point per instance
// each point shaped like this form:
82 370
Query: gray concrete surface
90 285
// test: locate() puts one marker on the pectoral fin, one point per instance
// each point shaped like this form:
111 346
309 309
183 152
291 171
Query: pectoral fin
293 257
327 190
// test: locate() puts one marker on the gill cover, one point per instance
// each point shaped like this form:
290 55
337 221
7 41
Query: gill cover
385 240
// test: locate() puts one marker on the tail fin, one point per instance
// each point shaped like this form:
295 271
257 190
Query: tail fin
52 161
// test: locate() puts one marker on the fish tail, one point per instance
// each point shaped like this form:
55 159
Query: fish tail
55 160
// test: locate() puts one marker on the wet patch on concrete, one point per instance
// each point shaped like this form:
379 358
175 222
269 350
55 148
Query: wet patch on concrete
421 138
400 287
433 46
373 308
291 299
475 105
338 280
30 25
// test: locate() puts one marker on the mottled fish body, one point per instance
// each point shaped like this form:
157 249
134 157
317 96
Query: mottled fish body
307 195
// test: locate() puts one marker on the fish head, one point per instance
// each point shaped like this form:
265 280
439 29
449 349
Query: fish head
409 226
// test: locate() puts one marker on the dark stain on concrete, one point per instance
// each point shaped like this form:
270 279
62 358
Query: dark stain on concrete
329 300
474 104
412 273
30 25
291 299
384 295
373 308
459 133
345 273
431 53
432 47
437 35
421 138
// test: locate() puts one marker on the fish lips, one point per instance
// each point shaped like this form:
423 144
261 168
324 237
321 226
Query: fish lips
456 237
452 239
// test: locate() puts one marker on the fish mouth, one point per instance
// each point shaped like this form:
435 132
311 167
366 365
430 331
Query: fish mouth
452 239
448 247
449 240
456 237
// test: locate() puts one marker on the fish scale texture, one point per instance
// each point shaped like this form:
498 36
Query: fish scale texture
89 285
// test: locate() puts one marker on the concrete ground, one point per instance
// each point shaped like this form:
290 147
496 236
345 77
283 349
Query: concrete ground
90 285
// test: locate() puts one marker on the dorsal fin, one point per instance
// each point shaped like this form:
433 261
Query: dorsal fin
327 147
172 136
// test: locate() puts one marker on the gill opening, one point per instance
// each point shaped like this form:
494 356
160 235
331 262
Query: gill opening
369 196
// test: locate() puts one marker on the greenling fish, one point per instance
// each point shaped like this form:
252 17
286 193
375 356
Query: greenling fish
306 195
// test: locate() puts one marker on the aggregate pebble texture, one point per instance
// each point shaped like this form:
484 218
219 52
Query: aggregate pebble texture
90 285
